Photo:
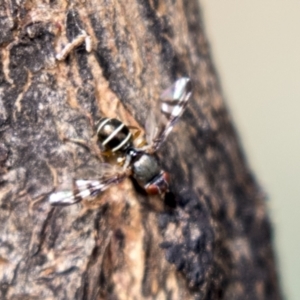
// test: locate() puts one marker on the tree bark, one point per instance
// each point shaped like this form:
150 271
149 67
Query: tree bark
209 238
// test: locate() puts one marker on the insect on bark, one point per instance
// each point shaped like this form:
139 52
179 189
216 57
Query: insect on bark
141 163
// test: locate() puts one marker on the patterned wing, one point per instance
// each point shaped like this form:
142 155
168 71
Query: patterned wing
84 189
173 102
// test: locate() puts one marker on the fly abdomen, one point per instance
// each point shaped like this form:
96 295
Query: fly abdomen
113 135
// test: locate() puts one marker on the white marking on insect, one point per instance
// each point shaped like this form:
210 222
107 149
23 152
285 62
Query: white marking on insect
101 125
61 197
112 135
138 162
129 135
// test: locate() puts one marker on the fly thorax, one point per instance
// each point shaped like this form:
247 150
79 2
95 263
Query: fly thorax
144 168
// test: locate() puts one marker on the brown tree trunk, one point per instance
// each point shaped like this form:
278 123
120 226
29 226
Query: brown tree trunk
210 240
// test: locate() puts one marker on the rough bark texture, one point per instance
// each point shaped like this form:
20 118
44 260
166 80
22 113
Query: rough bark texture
210 240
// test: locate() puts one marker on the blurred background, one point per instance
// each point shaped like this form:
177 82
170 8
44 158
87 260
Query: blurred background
256 51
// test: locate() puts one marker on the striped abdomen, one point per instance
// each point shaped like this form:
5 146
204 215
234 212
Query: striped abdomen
113 135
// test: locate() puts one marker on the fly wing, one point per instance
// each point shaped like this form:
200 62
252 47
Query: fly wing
84 189
173 102
81 189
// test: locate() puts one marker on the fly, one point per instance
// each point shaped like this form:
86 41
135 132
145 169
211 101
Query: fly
140 162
